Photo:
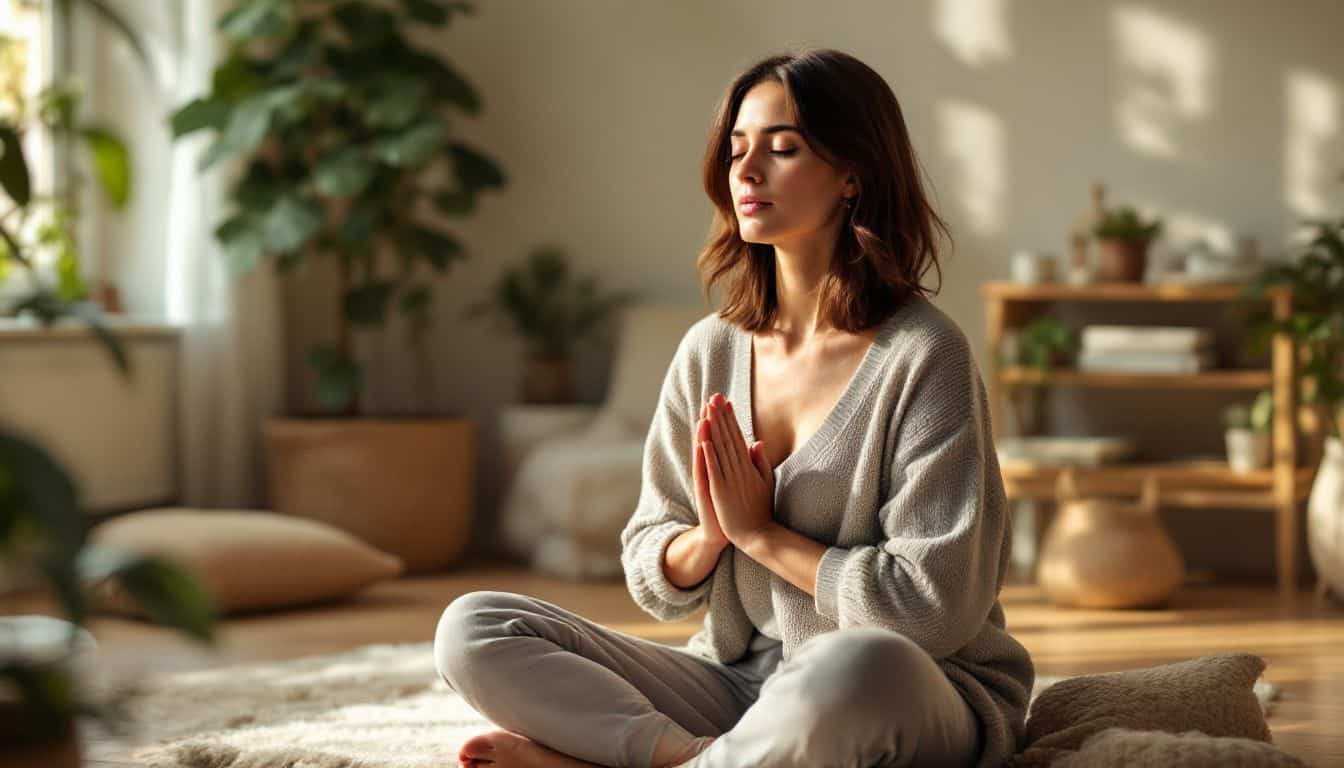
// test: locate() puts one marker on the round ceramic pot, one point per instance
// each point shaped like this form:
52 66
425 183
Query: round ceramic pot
1247 449
1122 260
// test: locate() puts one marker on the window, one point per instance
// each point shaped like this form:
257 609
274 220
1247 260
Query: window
25 66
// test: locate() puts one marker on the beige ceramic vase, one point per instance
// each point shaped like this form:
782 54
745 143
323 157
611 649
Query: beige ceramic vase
1105 553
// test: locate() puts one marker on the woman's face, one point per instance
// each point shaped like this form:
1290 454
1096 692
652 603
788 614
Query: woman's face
801 194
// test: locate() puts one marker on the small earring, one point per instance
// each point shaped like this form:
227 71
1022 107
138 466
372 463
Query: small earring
849 202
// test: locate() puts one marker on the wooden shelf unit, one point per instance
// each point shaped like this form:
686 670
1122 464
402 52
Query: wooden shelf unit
1281 488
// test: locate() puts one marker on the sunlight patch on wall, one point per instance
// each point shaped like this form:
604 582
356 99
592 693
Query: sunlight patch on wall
972 138
974 30
1164 68
1311 124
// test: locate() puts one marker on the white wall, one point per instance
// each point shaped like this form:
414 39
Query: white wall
1227 117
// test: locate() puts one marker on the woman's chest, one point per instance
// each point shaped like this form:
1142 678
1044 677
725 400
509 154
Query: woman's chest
791 398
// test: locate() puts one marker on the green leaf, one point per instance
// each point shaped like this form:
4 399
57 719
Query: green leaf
41 489
243 242
411 146
396 101
234 79
198 114
170 595
111 163
344 173
257 18
360 221
245 129
366 305
13 167
474 170
366 26
290 223
449 85
338 377
456 202
426 11
438 248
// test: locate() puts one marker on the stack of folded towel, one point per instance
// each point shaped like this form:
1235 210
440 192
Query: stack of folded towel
1145 349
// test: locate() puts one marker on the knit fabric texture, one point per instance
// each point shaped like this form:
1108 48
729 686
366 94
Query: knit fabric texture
901 483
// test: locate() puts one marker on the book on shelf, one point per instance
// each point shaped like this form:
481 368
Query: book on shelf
1145 338
1144 362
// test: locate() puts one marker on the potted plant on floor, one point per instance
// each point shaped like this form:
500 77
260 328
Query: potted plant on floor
552 311
340 122
1247 432
1123 238
45 552
1316 278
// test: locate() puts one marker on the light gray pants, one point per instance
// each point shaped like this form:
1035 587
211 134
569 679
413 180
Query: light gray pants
857 697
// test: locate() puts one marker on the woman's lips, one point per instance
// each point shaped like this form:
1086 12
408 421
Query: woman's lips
750 209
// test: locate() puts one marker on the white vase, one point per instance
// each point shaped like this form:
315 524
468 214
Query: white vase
1247 449
1325 519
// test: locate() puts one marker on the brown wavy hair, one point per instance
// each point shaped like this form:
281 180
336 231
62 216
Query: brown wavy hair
848 115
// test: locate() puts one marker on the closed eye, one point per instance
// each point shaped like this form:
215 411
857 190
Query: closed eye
784 152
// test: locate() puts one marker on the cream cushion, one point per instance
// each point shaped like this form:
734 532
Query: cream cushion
248 560
1212 694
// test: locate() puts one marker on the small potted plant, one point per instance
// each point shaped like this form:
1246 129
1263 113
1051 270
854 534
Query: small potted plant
1123 238
551 310
1247 432
1045 343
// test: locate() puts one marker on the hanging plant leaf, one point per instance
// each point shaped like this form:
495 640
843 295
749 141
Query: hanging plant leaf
13 167
111 164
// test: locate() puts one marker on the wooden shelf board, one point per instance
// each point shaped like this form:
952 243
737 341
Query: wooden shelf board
1173 292
1180 483
1213 379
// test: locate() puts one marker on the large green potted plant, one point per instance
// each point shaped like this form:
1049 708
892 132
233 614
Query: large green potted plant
1123 237
552 310
45 547
340 127
1315 277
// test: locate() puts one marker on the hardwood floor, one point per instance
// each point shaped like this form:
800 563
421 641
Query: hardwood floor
1301 638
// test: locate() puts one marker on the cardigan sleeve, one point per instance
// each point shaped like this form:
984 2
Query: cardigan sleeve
665 507
936 574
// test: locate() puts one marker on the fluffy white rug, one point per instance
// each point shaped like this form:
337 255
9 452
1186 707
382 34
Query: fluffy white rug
381 706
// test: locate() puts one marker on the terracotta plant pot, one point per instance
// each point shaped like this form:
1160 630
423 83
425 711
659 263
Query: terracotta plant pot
1122 260
405 487
548 381
1104 553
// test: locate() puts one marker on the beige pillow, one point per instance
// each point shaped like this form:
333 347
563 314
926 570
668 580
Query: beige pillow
249 561
1119 748
1212 694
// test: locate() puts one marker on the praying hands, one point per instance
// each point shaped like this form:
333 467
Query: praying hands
734 482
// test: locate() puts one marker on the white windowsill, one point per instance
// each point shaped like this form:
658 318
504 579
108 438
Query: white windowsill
124 326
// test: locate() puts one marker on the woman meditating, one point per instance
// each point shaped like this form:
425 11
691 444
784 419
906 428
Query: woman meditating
819 472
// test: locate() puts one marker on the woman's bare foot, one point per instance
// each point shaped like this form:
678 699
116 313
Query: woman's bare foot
505 749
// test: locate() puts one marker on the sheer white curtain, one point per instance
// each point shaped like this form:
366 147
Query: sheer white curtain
232 351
